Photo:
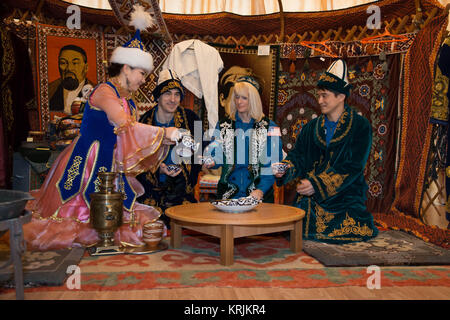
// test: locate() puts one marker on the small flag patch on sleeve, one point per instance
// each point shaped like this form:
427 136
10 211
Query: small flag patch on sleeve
274 132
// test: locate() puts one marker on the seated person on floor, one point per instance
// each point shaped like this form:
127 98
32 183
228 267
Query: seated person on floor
329 157
166 188
245 145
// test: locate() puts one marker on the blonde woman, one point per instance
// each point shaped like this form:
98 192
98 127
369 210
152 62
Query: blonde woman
245 146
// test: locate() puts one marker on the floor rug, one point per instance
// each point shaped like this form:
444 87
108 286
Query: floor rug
263 261
47 268
389 248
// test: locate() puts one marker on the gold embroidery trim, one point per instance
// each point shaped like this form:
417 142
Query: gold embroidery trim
327 78
308 216
332 181
322 219
121 128
340 123
349 226
137 44
73 172
97 181
439 100
171 85
311 175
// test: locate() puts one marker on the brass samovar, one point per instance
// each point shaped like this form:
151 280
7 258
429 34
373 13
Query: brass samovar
106 214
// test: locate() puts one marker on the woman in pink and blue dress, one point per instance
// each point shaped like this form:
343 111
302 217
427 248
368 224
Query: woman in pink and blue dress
111 139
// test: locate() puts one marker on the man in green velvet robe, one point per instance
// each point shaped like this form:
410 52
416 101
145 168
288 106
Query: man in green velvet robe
329 158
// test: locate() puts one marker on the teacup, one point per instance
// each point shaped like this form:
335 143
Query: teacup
172 167
208 160
281 167
152 233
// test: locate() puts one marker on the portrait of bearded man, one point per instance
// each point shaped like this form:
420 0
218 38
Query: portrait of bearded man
73 67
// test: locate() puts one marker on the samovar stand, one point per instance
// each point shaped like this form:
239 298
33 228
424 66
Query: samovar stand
105 246
104 251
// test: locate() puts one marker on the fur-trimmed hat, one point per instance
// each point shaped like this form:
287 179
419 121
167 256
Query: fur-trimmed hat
167 80
335 78
133 53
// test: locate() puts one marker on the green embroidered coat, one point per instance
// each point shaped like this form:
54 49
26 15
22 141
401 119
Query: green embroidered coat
336 212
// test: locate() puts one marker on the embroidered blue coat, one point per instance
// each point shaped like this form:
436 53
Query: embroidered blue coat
246 152
95 128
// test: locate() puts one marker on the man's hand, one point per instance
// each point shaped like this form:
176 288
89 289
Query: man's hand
173 173
172 135
258 194
305 188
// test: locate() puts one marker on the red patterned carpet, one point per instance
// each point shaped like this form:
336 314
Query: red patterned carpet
260 262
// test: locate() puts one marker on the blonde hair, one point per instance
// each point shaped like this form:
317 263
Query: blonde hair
254 100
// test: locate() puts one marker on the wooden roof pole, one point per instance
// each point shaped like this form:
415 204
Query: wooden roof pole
281 38
418 18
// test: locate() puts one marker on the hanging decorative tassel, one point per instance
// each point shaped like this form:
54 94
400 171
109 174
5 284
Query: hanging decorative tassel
292 58
306 64
357 51
384 65
369 66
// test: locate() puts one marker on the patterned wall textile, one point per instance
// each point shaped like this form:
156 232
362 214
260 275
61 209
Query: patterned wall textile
374 95
50 39
439 113
123 8
16 91
27 34
350 49
415 125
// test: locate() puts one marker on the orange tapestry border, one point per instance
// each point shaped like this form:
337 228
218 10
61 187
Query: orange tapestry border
414 145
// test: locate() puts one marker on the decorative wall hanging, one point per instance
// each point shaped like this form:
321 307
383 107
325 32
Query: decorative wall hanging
67 59
264 68
350 49
123 8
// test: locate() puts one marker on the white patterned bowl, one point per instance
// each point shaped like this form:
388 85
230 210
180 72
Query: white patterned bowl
236 205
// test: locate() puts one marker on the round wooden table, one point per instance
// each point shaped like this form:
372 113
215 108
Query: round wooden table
264 218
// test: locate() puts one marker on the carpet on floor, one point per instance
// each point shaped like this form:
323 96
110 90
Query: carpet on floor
46 268
389 248
263 261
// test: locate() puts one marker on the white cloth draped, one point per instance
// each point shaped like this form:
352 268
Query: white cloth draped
198 66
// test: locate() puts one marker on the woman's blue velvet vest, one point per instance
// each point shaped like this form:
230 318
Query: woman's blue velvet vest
95 128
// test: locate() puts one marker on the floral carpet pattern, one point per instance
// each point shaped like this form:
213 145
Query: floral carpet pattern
260 262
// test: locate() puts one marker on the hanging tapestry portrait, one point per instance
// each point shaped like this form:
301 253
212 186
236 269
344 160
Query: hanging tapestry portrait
69 65
374 95
246 61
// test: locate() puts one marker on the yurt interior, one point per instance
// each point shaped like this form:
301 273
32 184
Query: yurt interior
122 177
